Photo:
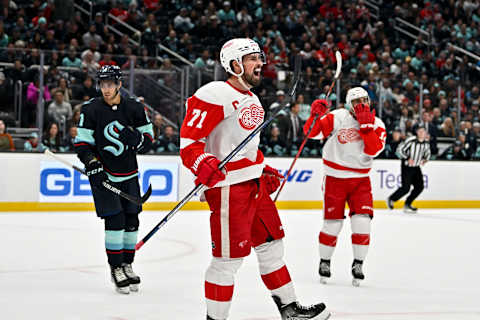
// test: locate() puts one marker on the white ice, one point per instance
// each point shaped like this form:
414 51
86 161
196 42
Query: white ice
424 266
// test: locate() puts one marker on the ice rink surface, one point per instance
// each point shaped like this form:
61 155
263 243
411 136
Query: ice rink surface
424 266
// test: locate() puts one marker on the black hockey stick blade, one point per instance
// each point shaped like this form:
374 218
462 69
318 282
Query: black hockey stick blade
147 194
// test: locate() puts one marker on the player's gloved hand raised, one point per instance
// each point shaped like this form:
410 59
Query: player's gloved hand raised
208 173
130 136
271 177
96 174
319 107
365 118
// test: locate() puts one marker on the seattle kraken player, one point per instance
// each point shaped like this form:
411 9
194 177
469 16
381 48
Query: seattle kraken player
111 131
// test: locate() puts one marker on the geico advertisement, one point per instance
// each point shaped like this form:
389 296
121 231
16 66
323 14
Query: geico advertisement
59 183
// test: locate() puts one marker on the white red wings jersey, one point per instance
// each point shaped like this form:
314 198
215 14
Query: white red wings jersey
218 118
348 153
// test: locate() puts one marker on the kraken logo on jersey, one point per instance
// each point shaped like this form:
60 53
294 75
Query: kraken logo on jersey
111 133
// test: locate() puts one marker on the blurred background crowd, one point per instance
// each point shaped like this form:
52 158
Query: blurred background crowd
417 59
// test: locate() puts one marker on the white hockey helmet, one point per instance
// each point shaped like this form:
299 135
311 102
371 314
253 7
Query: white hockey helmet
234 50
355 93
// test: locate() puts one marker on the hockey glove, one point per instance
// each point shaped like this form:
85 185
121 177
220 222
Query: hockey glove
319 107
131 137
271 177
208 173
365 118
95 173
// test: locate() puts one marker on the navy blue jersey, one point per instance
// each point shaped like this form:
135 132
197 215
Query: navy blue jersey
98 135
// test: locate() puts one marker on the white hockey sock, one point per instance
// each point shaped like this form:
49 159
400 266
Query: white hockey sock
219 283
274 272
328 238
360 235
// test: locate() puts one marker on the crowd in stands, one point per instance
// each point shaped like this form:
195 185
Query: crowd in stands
410 81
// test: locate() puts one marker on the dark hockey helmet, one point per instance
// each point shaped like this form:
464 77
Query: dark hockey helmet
109 72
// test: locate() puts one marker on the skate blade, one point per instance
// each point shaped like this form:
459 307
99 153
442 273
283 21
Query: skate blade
324 315
123 290
134 287
356 282
323 280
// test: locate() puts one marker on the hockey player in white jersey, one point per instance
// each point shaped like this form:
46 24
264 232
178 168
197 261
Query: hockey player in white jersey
354 137
243 216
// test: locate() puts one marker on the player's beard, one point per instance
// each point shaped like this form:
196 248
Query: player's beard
251 81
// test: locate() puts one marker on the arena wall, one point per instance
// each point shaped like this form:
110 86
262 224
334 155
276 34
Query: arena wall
35 182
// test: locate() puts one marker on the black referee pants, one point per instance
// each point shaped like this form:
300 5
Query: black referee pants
410 176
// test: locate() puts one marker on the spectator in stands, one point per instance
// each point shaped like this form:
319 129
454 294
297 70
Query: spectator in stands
243 16
226 13
447 128
69 140
59 110
91 35
89 63
107 60
6 141
182 22
431 131
51 138
88 89
71 60
6 93
274 145
168 141
456 151
63 87
291 128
32 143
279 102
33 93
158 126
204 61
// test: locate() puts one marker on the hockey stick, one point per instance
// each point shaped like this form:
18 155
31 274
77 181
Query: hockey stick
201 187
338 56
136 200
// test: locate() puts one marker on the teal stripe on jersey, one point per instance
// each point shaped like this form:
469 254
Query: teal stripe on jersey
121 179
148 128
114 239
130 240
85 135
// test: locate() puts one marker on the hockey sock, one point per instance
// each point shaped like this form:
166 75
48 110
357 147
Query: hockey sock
328 238
114 247
274 272
130 237
219 283
360 235
114 230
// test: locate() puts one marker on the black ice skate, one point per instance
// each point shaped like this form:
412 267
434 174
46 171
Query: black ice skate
408 208
133 279
357 272
295 311
209 318
324 270
119 278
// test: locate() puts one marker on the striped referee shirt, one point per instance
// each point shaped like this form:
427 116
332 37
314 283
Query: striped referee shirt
413 149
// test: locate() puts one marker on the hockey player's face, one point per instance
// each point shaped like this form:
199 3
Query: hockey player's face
109 88
362 100
252 64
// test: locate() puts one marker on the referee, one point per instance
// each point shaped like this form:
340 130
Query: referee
414 152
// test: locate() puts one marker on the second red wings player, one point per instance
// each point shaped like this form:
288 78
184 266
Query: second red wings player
220 115
354 137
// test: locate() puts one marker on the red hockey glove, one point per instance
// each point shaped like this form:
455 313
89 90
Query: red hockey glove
319 107
208 173
271 177
365 118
